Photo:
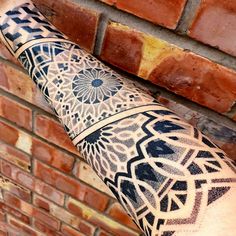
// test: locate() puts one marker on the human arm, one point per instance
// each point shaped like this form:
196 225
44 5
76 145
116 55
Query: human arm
162 170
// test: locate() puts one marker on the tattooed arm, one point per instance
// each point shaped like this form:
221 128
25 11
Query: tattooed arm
167 175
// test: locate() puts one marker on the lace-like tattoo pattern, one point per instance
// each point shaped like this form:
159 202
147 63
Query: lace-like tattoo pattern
163 171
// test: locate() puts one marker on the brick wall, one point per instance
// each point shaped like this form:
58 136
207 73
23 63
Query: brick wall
182 51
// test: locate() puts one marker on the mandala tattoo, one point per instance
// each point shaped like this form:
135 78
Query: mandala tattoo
164 172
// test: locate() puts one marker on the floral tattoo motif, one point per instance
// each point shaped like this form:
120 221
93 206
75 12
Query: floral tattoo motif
94 86
163 171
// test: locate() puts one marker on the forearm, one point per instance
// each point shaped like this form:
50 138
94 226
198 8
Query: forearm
165 173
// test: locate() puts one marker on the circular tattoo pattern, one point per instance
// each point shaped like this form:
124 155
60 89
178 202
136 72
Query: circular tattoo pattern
93 86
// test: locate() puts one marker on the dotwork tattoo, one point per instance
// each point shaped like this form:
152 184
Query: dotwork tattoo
163 171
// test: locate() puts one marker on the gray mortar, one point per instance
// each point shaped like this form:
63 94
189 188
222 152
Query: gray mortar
110 12
188 15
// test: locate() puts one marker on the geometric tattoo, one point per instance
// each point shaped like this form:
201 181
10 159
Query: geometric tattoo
164 172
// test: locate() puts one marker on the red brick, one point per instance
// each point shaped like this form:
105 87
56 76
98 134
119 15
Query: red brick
166 13
17 214
52 156
32 183
97 219
215 23
53 132
46 219
8 134
180 71
31 211
15 137
45 229
42 203
15 156
16 112
78 23
21 228
117 212
68 231
3 233
64 216
122 49
5 229
104 233
14 188
2 215
86 228
49 192
71 186
18 83
197 79
18 175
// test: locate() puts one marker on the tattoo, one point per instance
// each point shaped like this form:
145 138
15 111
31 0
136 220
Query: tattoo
163 171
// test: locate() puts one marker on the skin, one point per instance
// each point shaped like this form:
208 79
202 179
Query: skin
170 178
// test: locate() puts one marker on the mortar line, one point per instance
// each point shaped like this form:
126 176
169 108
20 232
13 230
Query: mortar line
170 36
190 11
101 30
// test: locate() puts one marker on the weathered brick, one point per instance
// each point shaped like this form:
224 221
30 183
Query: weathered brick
104 233
15 156
71 186
41 203
17 214
53 132
166 13
3 229
78 23
81 210
68 231
45 229
15 137
2 233
8 134
31 210
198 79
49 192
86 228
216 131
2 215
122 49
14 188
30 182
64 216
18 83
8 230
22 229
17 175
85 173
52 156
178 70
117 212
15 112
214 24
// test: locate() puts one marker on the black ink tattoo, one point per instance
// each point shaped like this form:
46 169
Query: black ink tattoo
163 171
